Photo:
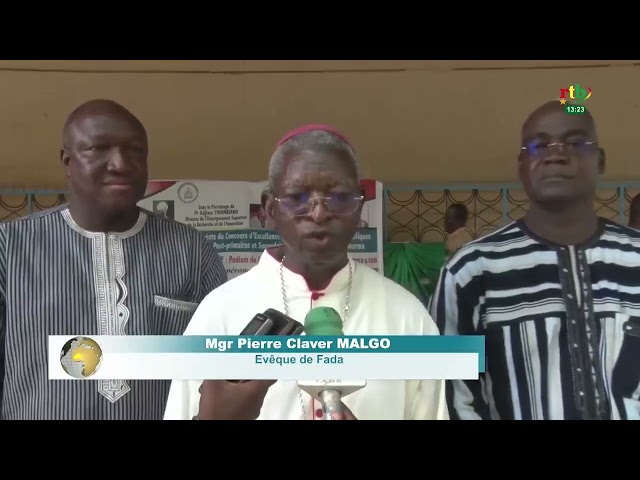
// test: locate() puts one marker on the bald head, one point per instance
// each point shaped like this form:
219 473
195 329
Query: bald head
104 155
98 108
554 107
560 159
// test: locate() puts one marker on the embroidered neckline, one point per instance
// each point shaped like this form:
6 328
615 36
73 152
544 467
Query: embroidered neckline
66 214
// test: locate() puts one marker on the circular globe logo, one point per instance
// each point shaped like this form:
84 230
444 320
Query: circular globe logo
81 357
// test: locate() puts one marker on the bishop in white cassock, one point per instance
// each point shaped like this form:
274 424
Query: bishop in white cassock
315 203
376 306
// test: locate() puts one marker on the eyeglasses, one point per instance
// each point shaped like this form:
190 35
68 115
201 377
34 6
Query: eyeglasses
574 147
301 204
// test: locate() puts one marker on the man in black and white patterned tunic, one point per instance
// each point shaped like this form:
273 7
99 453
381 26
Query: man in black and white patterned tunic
557 294
98 265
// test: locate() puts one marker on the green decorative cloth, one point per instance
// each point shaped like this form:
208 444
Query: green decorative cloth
415 266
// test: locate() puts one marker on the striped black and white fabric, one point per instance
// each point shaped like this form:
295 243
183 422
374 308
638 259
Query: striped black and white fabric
58 279
562 325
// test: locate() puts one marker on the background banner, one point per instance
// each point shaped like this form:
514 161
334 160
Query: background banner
229 214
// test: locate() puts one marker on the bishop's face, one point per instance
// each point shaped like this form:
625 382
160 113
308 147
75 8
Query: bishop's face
316 206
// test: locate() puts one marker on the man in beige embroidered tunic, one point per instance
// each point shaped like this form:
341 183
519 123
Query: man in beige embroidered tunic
96 266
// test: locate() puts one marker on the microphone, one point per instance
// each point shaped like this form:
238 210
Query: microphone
327 321
271 322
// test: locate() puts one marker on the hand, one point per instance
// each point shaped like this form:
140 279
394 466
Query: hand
346 414
223 400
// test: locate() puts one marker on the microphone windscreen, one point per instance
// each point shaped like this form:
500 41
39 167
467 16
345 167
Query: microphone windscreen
323 321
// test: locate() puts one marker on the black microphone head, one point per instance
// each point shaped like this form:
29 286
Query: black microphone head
281 322
272 322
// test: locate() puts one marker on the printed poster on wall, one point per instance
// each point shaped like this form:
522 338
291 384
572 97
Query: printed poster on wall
229 214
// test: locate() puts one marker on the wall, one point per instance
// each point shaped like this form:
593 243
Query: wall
412 121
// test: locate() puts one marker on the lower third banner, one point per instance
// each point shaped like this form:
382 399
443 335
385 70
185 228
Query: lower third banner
277 358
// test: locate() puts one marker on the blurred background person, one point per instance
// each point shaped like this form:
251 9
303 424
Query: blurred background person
634 212
455 225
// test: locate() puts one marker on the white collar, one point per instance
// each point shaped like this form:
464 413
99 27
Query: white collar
296 283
